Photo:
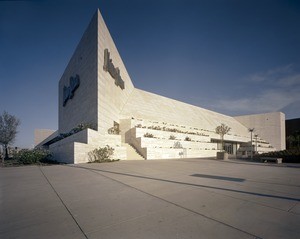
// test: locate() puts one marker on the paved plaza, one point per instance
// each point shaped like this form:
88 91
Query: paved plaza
188 198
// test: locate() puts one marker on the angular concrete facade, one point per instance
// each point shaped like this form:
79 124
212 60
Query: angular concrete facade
96 89
271 127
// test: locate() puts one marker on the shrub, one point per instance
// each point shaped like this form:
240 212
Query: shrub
172 137
155 127
75 130
114 130
187 138
83 126
101 155
288 156
148 135
33 156
177 145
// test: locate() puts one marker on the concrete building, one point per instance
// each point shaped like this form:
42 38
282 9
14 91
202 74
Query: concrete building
96 90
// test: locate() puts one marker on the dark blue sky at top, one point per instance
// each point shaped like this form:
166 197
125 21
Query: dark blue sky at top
233 57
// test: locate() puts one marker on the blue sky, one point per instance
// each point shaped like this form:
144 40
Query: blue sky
233 57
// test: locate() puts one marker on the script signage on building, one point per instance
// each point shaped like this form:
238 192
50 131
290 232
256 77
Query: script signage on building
113 71
68 91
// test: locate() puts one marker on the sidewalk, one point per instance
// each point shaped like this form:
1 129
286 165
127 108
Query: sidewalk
187 198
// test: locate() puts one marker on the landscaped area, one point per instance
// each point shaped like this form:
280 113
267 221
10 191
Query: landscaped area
28 157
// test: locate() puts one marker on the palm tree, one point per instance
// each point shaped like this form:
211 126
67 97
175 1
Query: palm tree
222 130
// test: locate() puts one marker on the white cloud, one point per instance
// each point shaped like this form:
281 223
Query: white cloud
288 81
268 101
272 75
283 89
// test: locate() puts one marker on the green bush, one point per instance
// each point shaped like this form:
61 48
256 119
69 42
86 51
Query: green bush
101 155
148 135
172 137
75 130
33 156
288 156
187 138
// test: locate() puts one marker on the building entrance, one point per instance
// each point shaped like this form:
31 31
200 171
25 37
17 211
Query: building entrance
230 148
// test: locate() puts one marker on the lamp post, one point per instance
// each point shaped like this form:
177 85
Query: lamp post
256 136
251 131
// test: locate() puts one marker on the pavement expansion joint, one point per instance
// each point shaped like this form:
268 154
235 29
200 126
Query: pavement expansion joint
172 203
65 206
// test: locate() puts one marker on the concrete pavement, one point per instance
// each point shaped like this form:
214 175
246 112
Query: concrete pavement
188 198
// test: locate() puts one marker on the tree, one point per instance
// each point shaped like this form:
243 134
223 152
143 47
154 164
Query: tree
291 139
298 140
8 130
222 130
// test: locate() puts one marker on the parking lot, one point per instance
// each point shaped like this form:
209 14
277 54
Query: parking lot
187 198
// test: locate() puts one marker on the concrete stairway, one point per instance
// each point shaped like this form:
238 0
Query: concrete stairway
132 154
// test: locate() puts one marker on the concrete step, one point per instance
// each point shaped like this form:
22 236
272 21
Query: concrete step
132 154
